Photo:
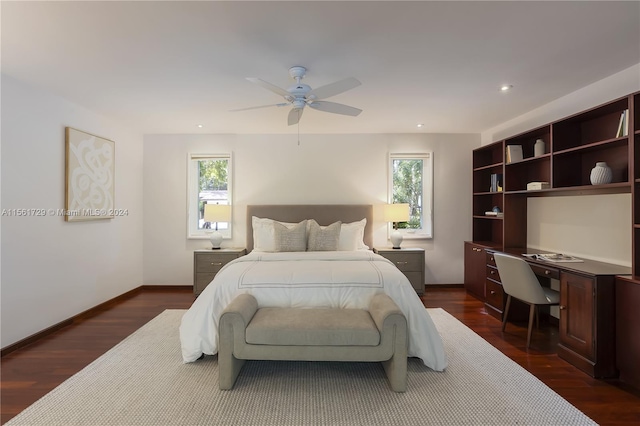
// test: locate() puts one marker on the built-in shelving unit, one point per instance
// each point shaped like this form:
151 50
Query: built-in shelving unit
573 145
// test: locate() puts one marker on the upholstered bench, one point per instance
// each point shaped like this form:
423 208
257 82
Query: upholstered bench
378 334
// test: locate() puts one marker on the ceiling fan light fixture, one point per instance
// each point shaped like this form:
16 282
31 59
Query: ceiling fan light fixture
301 95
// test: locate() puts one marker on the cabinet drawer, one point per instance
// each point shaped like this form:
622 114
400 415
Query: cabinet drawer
202 280
545 271
406 262
491 260
212 262
415 278
495 295
493 273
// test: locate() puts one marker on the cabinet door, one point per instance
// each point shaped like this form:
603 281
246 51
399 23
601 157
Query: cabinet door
577 320
474 269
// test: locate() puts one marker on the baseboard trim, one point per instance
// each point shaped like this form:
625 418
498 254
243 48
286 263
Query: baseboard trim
91 312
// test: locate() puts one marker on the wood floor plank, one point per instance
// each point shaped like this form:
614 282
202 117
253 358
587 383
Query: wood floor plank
30 372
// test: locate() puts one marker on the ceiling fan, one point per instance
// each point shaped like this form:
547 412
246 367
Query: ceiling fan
300 95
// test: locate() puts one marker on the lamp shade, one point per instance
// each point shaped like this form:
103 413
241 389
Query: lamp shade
396 213
217 213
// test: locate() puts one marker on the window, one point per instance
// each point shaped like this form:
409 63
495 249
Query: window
209 181
411 182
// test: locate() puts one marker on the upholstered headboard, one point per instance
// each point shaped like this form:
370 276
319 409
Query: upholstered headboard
324 214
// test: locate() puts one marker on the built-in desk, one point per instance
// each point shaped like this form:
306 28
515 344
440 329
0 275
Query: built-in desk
586 311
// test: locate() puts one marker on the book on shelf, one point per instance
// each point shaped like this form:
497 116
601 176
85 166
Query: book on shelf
492 213
623 124
514 153
496 182
553 257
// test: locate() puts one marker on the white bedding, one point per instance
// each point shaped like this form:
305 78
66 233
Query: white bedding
335 279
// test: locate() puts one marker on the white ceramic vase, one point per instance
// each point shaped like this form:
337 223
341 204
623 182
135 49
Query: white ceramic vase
539 148
601 174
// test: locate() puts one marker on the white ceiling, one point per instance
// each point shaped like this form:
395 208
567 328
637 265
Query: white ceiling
164 67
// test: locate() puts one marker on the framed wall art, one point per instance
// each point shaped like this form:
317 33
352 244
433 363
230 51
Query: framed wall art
89 176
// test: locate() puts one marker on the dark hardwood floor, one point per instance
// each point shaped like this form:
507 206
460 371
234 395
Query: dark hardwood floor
29 373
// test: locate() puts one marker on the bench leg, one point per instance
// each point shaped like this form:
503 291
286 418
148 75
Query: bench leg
228 365
396 369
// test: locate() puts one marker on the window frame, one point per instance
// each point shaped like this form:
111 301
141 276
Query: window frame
193 196
425 232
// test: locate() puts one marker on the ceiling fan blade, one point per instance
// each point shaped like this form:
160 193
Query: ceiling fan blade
294 116
333 88
334 108
275 89
261 106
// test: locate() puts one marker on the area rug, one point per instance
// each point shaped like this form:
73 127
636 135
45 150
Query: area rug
143 381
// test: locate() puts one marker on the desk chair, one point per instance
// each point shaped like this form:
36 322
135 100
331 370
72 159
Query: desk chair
519 281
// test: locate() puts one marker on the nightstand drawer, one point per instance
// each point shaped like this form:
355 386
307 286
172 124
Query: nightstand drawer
406 261
206 262
201 281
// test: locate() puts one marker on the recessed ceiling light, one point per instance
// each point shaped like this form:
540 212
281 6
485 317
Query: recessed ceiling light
506 87
420 125
200 126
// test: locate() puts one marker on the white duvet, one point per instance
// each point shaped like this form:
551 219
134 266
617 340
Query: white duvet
334 279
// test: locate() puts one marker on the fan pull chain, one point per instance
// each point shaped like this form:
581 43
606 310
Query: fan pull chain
298 127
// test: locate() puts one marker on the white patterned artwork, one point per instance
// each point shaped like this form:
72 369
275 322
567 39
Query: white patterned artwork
89 176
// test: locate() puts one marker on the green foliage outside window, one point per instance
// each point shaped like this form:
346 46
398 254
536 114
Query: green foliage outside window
212 176
407 188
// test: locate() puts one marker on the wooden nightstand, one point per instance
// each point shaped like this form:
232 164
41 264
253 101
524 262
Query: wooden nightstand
207 263
410 261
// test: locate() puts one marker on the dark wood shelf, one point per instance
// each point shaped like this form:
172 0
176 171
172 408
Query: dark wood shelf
488 193
490 166
594 146
487 217
528 160
610 188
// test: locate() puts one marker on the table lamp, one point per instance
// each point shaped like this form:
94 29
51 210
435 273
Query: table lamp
396 213
215 213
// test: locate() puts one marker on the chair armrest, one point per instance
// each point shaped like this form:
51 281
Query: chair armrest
381 307
242 308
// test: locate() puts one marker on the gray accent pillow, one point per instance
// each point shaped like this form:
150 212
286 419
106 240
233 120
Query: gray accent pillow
323 238
290 239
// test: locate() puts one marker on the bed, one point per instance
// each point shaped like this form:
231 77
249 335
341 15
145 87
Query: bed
346 277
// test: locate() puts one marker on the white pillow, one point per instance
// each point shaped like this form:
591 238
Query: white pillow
263 233
352 236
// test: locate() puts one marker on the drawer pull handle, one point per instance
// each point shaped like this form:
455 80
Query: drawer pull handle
493 272
547 272
492 259
562 307
401 263
216 263
493 292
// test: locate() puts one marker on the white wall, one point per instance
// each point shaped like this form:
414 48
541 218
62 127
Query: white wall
603 91
323 169
52 269
595 227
